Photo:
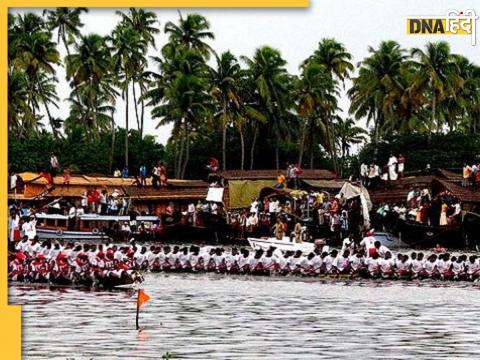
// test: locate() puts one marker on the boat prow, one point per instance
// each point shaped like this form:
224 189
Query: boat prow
284 245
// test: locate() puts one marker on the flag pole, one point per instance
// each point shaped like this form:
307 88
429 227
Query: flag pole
138 308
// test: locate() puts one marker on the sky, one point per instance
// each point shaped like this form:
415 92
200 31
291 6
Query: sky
358 24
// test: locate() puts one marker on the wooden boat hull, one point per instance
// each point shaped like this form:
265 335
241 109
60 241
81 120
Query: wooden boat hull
423 236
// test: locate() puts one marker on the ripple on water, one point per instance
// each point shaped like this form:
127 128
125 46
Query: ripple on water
207 316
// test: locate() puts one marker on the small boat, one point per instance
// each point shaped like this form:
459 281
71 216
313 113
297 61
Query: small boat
389 240
284 245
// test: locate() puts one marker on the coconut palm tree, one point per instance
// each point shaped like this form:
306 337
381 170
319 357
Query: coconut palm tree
191 32
88 68
224 82
129 49
144 23
182 99
372 85
437 75
268 73
315 92
32 51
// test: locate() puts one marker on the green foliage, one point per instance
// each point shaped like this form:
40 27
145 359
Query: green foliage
80 154
250 113
441 151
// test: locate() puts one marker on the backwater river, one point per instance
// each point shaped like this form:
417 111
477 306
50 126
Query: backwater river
213 316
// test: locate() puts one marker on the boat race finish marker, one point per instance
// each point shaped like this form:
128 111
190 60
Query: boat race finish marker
142 298
456 22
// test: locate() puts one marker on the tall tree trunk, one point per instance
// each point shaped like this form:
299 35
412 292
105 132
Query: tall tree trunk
142 114
112 150
182 150
302 141
434 110
242 146
136 105
64 39
187 151
252 148
224 140
126 125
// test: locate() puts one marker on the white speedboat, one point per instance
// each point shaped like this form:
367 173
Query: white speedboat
284 245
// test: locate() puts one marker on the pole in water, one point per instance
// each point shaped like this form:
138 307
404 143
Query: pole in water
142 298
138 309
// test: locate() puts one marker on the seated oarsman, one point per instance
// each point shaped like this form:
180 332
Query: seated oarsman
380 249
387 266
209 260
473 268
329 260
172 258
163 258
219 259
40 270
308 268
22 244
458 268
418 265
356 262
195 260
403 267
82 266
231 261
109 263
140 261
154 263
243 261
373 266
430 266
183 262
62 268
341 263
268 262
315 262
150 255
17 267
255 263
281 261
444 266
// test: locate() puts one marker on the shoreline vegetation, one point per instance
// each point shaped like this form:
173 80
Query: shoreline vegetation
249 112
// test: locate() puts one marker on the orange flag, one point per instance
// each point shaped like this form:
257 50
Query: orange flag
142 298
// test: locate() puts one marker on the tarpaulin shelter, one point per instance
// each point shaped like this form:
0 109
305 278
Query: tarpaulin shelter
350 191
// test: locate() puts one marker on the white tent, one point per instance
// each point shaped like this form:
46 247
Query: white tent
349 191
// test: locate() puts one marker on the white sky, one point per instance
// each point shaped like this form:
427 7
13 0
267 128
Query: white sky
295 32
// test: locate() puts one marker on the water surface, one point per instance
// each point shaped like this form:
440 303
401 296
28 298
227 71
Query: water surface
209 316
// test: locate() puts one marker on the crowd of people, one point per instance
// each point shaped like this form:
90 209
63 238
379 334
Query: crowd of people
158 175
80 264
373 175
420 207
471 175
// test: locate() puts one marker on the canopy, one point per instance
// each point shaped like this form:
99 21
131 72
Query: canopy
349 191
242 192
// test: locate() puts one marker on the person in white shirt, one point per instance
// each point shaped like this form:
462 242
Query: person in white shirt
356 263
341 263
373 266
430 266
329 262
368 243
254 206
418 265
381 249
387 265
473 268
29 228
392 168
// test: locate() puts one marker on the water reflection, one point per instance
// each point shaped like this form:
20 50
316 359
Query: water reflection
207 316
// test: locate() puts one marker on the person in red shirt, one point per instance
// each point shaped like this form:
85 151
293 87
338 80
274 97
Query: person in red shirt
17 267
40 270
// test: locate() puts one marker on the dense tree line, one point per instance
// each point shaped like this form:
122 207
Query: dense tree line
248 112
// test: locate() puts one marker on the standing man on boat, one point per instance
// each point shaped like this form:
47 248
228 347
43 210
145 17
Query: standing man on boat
53 164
